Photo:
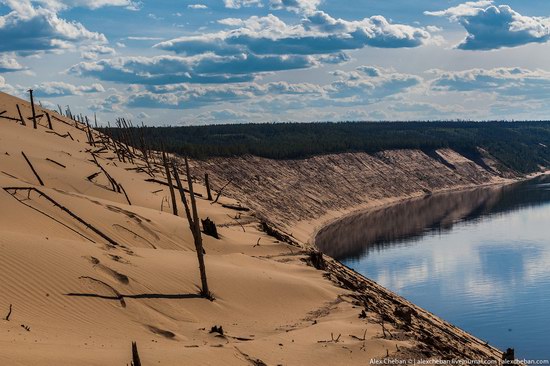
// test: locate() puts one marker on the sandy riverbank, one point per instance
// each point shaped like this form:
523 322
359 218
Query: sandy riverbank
78 299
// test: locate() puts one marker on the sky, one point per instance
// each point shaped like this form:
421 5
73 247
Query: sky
193 62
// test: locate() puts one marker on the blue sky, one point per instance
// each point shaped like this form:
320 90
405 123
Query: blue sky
224 61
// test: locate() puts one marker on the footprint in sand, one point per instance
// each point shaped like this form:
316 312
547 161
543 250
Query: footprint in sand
161 332
96 263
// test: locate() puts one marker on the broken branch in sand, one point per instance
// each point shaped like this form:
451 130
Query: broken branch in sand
114 184
7 318
236 207
332 339
360 339
21 115
55 162
9 175
92 176
47 215
221 190
125 194
9 118
63 208
384 330
32 168
271 231
237 221
55 133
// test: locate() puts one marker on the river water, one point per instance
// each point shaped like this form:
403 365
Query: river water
478 258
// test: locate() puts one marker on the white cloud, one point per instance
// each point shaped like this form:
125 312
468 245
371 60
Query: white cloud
366 85
8 63
197 6
131 38
237 4
205 68
93 52
299 6
513 83
467 9
492 27
58 5
111 104
62 89
7 88
318 33
28 30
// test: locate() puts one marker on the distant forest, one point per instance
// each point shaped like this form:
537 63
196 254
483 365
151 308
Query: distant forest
521 146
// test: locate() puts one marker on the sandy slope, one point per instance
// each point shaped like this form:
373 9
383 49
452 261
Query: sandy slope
84 298
301 196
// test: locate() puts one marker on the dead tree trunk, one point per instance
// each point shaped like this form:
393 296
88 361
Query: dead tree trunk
21 115
34 123
209 228
49 121
169 179
198 236
207 183
194 225
135 355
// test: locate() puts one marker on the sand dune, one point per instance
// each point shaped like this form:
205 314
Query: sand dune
86 273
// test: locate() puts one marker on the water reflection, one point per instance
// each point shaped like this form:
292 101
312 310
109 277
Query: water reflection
355 236
480 259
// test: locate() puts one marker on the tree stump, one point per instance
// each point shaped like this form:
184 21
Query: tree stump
209 228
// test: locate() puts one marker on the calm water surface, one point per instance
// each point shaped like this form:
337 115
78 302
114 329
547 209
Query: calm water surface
479 259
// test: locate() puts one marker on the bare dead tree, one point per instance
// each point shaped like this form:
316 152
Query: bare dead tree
207 183
170 185
34 123
194 224
135 355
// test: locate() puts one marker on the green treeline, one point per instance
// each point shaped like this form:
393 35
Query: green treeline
521 146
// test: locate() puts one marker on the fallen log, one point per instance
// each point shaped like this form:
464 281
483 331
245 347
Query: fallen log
236 207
